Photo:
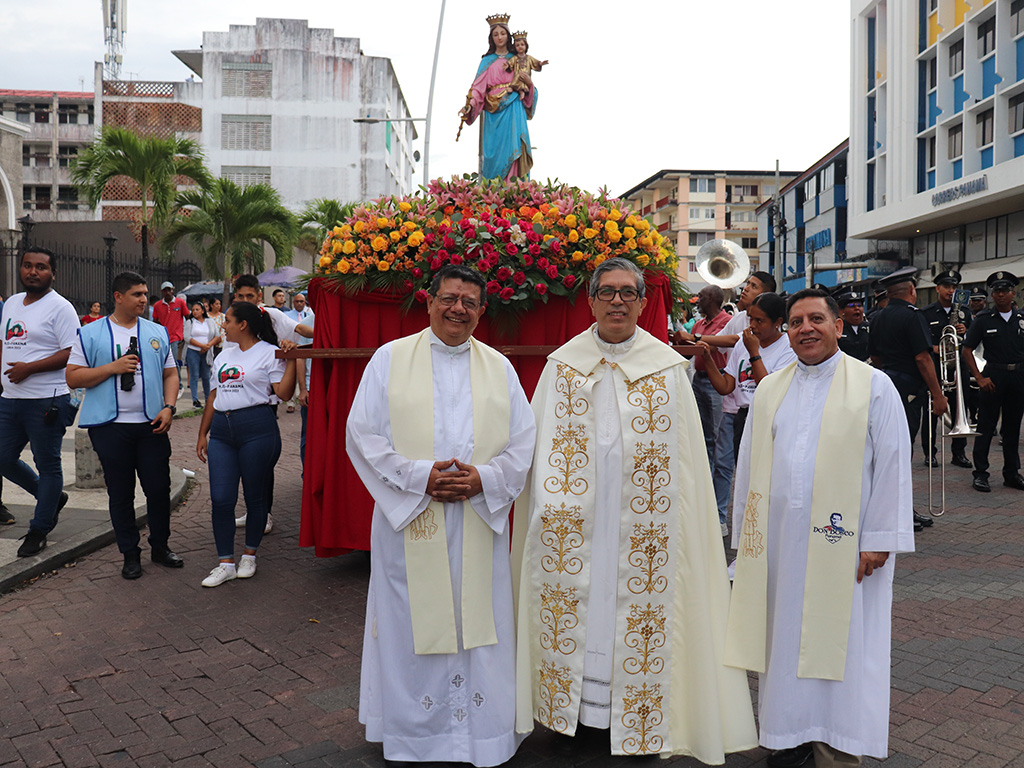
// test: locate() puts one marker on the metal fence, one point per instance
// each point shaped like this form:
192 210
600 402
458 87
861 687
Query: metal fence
84 274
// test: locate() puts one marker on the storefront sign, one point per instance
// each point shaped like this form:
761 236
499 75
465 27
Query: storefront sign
966 189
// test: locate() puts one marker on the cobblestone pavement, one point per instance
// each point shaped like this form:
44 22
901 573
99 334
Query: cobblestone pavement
99 671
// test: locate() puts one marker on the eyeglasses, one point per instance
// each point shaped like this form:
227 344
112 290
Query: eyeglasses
854 305
447 300
626 294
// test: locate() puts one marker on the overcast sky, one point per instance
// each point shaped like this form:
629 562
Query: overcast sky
632 87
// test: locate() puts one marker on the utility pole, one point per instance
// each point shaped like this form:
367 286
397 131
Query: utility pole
430 100
779 228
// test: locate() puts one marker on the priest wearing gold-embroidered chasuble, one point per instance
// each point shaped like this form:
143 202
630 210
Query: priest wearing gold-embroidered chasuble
442 435
623 590
823 497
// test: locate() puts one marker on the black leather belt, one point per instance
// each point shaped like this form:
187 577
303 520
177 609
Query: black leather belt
1006 366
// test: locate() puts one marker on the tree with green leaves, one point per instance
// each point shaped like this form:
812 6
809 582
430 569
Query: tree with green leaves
228 225
318 218
152 162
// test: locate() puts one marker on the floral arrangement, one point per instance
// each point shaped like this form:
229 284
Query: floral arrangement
529 241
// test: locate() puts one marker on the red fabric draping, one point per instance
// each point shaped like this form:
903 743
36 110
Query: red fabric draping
336 508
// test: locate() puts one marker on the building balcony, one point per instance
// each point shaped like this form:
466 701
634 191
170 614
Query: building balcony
45 175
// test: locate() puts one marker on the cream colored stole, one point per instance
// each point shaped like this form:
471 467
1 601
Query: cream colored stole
411 405
833 552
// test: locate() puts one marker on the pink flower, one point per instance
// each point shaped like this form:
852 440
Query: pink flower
569 281
421 296
504 274
512 249
552 272
493 286
540 288
519 278
506 293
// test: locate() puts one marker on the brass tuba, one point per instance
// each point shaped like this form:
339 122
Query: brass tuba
722 263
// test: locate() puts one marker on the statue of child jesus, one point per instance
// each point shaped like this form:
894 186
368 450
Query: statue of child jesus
522 64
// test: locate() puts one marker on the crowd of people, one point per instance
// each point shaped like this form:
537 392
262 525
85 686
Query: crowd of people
607 608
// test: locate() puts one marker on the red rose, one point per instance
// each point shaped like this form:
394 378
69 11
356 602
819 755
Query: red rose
541 289
456 259
542 263
552 272
417 272
569 281
534 250
469 233
506 293
555 245
407 284
532 236
512 249
528 260
421 296
483 265
442 255
519 278
435 264
429 239
448 242
501 222
493 286
504 273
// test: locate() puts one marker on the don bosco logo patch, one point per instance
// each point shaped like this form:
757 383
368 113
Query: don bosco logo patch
835 531
230 373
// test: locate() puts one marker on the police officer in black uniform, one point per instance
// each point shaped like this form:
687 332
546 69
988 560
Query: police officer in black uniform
901 346
880 299
938 315
978 302
1001 330
854 340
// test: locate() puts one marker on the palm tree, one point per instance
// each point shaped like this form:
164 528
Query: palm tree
230 224
152 162
318 217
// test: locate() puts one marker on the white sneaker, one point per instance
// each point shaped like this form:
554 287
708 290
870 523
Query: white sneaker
270 524
725 530
240 522
246 567
223 572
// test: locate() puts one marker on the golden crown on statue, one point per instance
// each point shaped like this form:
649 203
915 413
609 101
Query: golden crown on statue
498 18
519 35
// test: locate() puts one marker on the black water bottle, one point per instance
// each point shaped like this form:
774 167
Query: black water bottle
128 379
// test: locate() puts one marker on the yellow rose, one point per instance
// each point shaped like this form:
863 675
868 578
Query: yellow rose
338 231
615 236
570 221
631 220
415 239
611 226
349 247
410 225
382 222
383 266
379 243
343 267
404 207
396 236
573 236
336 246
643 259
629 232
325 261
589 233
360 226
346 228
615 214
538 217
578 256
598 259
657 237
631 244
643 225
645 241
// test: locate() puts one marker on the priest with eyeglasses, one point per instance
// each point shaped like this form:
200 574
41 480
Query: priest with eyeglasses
623 590
442 435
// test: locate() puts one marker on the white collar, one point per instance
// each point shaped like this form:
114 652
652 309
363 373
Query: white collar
456 350
824 368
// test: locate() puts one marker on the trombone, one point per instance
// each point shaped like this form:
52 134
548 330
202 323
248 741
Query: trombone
951 380
722 263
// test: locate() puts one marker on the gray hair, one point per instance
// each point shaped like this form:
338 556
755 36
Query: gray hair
613 264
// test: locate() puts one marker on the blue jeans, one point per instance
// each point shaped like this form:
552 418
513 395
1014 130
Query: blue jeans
198 368
709 405
724 464
23 422
244 444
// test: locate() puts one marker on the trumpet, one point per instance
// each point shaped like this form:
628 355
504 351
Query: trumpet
722 263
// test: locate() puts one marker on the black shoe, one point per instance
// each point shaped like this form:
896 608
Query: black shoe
1014 481
132 565
34 543
792 757
918 527
959 460
6 518
924 520
166 557
932 462
196 404
61 503
981 484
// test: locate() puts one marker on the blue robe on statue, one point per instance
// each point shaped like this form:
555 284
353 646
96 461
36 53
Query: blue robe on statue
505 135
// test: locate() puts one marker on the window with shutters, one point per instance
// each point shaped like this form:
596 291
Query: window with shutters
246 132
246 80
244 175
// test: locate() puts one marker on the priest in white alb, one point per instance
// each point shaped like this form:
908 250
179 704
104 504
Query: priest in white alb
623 591
442 435
822 499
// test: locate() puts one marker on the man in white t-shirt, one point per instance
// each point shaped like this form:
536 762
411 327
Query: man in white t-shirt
39 327
289 335
302 314
126 365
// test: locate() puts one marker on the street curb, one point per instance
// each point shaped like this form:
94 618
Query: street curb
13 575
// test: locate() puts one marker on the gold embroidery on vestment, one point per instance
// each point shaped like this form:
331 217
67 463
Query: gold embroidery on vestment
642 713
650 475
568 382
753 539
562 532
423 527
649 394
558 614
645 633
649 554
568 456
555 685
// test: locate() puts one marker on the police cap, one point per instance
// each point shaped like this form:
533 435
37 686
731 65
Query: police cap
848 296
905 275
1001 280
949 277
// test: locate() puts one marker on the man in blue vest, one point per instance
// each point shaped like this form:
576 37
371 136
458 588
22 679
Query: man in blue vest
126 366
